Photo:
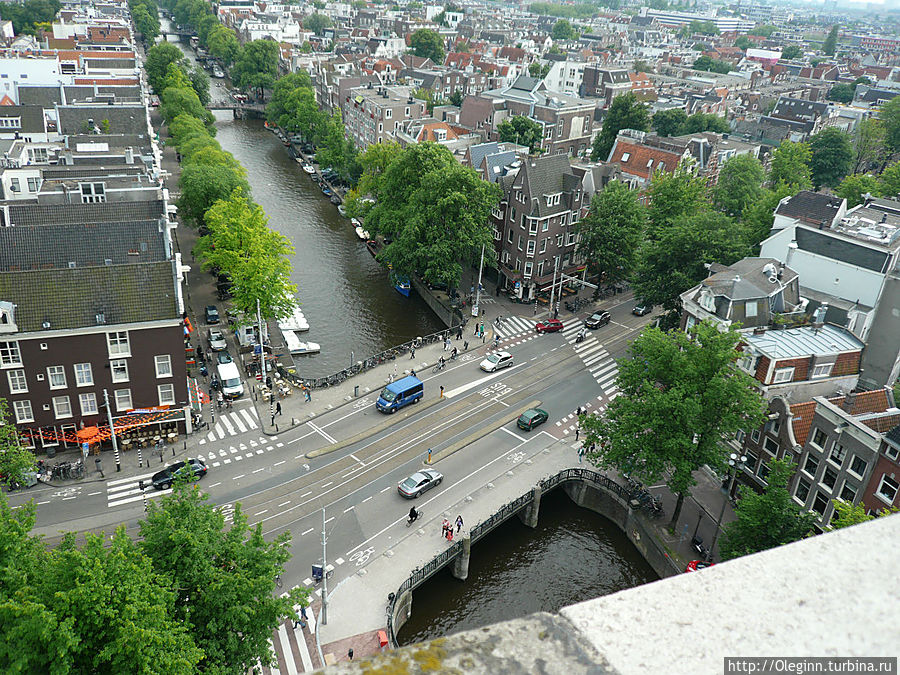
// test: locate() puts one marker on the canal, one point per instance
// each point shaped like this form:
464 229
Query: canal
573 555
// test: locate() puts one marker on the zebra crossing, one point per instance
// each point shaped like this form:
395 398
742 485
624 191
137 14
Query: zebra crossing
232 423
294 647
596 359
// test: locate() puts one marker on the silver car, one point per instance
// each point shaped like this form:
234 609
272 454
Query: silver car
216 340
419 482
496 361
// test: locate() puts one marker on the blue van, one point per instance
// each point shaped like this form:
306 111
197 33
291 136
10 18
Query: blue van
400 393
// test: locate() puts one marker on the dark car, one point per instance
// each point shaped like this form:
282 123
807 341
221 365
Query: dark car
419 482
642 309
597 320
549 326
193 468
212 314
224 357
532 418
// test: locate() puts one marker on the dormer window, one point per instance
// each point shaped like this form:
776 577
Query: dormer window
553 200
707 301
626 156
650 163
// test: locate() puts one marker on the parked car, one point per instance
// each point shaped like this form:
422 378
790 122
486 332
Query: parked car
548 326
596 320
419 482
224 357
212 314
642 309
529 419
695 565
193 468
496 361
216 340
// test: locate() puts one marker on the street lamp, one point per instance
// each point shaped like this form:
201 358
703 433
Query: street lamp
736 463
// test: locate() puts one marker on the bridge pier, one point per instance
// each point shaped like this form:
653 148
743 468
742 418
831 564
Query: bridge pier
461 563
529 515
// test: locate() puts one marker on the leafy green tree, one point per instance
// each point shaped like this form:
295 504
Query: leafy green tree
766 520
521 130
575 11
675 194
200 84
852 188
159 58
203 185
177 101
186 127
680 396
791 52
317 23
15 460
431 98
700 122
739 185
375 161
669 122
830 44
675 260
847 514
711 65
612 231
257 66
25 15
223 579
759 217
336 150
280 107
562 30
763 30
889 115
223 44
642 67
146 23
625 112
842 93
868 145
204 26
743 42
832 156
889 181
538 70
456 98
790 165
428 44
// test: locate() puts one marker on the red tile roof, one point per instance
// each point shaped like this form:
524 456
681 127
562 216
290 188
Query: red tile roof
861 403
635 159
802 419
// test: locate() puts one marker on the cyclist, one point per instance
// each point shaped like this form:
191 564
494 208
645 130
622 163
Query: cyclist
413 514
453 354
441 363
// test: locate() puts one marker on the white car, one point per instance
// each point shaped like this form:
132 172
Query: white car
496 361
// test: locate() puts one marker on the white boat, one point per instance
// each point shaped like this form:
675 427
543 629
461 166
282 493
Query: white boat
309 168
296 346
342 210
362 234
218 72
296 321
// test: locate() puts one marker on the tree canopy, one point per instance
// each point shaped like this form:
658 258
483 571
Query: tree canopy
15 460
24 15
256 66
522 131
889 115
428 44
562 30
790 165
712 65
740 184
791 52
832 157
222 43
317 23
159 58
830 44
868 145
842 93
852 188
625 112
675 194
669 122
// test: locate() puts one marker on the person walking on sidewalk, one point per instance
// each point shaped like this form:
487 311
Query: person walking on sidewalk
459 523
278 407
580 454
412 352
308 395
444 525
459 332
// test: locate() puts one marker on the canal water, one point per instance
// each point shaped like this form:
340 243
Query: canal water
573 555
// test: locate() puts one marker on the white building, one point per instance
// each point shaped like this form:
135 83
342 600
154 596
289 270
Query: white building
565 76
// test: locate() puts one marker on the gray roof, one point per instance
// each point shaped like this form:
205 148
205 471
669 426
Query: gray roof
811 207
745 279
123 119
482 150
72 298
36 248
49 95
836 248
494 164
803 341
31 117
108 212
546 175
65 171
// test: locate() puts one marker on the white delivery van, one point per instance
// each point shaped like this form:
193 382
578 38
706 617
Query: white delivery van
230 380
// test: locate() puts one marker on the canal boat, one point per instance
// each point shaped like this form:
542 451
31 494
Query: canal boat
400 283
296 346
336 200
326 191
294 322
362 234
342 210
218 72
308 168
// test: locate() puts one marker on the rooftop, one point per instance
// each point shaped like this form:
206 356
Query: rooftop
876 222
803 341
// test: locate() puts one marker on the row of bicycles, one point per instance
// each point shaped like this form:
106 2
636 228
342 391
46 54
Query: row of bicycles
62 470
650 503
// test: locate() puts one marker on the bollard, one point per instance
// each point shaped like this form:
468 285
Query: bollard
355 391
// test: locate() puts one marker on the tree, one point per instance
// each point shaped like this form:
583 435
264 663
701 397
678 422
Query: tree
159 58
186 127
562 30
15 460
26 14
766 520
743 42
842 93
146 23
642 67
669 122
739 185
611 233
456 98
680 396
335 149
522 131
625 112
830 44
890 181
675 260
868 145
852 188
223 44
711 65
675 194
317 23
847 514
224 578
759 217
200 84
428 44
700 122
203 185
832 156
791 52
763 30
790 165
889 115
256 66
538 70
375 161
177 101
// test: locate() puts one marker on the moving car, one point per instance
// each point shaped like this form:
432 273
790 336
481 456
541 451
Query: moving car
496 361
642 309
230 379
193 468
532 418
548 326
597 320
212 314
224 357
216 340
418 483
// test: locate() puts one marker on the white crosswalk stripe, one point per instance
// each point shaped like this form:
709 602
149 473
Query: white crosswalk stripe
596 359
289 643
232 423
513 325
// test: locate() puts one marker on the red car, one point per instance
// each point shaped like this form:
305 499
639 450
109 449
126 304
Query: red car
696 565
548 326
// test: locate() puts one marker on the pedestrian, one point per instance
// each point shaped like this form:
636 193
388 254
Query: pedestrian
412 352
308 395
476 330
269 381
278 408
350 653
481 328
482 312
459 332
499 319
459 524
465 345
442 391
444 525
300 622
200 351
412 371
577 431
449 534
580 454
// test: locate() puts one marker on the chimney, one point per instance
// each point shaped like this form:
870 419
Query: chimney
129 155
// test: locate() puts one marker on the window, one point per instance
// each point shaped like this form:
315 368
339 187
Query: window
38 155
530 249
626 156
776 425
553 200
14 185
887 490
763 472
544 244
520 242
388 112
751 462
838 452
771 445
892 452
509 236
803 488
527 272
23 411
117 343
9 354
34 184
17 382
83 375
123 399
62 407
163 365
848 492
858 466
92 193
822 371
812 465
754 435
740 436
119 369
88 403
751 308
512 214
819 438
559 241
56 376
829 478
11 122
532 226
570 238
783 375
166 394
820 503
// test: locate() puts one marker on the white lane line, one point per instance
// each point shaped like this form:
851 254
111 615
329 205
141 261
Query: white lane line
387 488
227 422
357 458
46 502
220 432
278 463
307 531
248 418
350 509
325 485
238 422
324 435
240 476
284 503
214 484
329 520
366 499
226 461
514 435
261 512
288 652
258 470
91 494
133 479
